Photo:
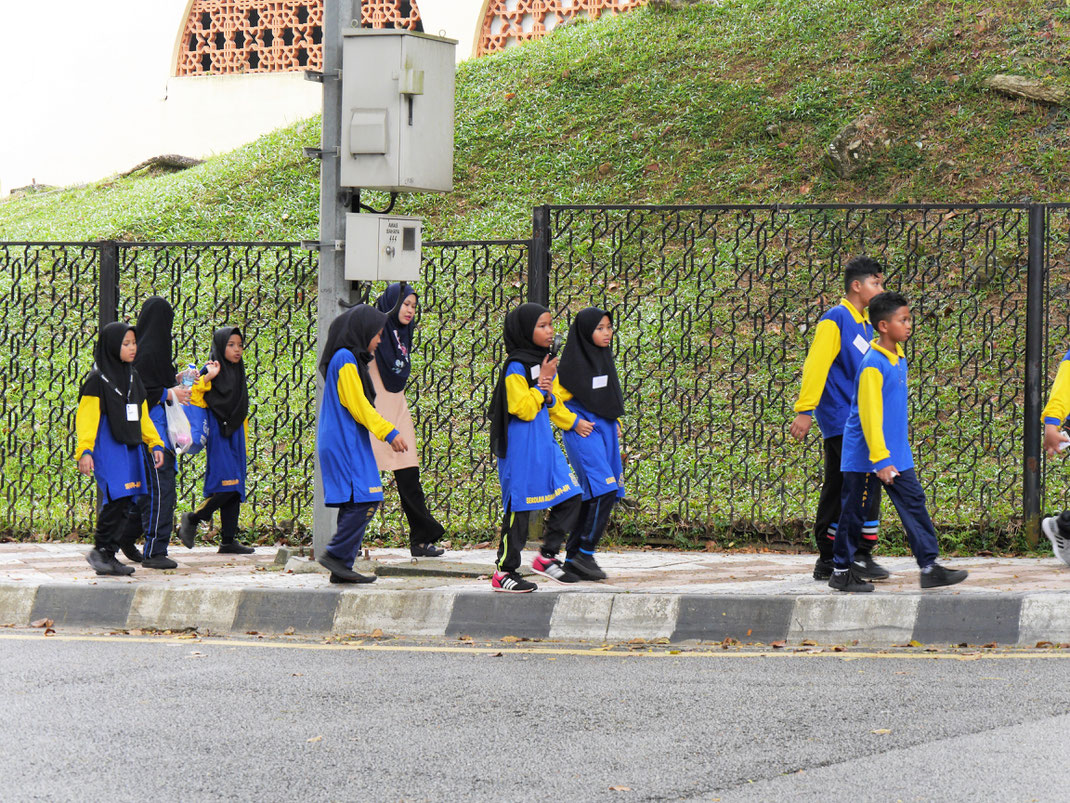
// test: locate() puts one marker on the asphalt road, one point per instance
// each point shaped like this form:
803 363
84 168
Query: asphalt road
137 718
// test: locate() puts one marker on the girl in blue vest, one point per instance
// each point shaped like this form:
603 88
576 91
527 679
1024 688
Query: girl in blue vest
223 390
347 419
587 383
154 513
112 423
533 472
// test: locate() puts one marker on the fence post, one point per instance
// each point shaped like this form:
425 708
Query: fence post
1034 354
109 282
539 257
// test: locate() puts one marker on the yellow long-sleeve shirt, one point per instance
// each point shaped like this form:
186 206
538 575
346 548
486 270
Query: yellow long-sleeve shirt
526 401
351 394
87 424
1058 407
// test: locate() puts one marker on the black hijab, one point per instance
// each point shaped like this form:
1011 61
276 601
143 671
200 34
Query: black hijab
353 330
229 396
153 361
393 357
116 383
519 347
583 364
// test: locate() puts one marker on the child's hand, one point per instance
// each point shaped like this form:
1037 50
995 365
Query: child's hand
157 458
547 372
887 474
399 444
85 464
800 427
583 427
1053 436
180 394
213 369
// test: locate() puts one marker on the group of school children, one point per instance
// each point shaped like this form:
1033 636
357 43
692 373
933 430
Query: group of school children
854 383
122 439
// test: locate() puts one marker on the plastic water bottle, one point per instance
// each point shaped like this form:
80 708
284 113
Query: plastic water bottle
189 376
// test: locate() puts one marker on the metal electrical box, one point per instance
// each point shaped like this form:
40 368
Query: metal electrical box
383 247
397 111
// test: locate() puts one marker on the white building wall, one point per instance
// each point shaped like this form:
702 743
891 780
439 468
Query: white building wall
86 89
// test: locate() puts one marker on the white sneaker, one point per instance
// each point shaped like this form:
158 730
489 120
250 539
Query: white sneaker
1059 544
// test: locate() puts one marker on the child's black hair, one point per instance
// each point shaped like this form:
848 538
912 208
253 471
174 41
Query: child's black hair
884 305
859 268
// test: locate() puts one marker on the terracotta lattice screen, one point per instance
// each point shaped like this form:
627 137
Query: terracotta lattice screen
509 22
257 36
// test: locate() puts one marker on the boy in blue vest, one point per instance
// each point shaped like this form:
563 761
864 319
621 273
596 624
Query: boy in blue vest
876 451
841 340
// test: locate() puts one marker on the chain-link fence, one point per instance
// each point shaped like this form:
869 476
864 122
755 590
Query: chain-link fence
51 306
714 308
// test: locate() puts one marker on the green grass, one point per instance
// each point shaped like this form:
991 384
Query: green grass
673 107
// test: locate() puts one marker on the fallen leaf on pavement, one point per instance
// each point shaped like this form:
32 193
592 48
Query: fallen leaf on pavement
620 789
637 640
776 645
881 731
1043 644
839 648
495 655
808 643
289 631
42 623
315 739
513 639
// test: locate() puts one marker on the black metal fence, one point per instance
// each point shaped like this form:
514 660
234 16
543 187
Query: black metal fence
713 307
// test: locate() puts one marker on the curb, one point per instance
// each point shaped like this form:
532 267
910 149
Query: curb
885 620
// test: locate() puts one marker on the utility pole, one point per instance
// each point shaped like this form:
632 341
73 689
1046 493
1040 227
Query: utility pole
333 289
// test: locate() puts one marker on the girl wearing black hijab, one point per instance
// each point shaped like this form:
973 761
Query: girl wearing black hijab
154 513
587 384
390 373
112 423
347 419
224 392
533 472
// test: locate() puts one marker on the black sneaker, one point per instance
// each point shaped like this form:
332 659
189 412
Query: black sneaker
426 551
849 581
868 569
129 548
552 568
338 568
353 577
585 567
938 576
98 559
235 548
823 569
159 562
187 530
511 583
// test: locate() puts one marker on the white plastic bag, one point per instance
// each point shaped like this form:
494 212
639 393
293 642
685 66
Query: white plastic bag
178 428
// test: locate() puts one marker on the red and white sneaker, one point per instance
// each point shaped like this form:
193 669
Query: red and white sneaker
511 583
552 568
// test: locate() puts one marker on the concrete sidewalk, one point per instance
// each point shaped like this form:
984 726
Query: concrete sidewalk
650 594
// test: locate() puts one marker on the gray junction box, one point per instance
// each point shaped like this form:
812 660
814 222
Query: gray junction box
397 111
383 247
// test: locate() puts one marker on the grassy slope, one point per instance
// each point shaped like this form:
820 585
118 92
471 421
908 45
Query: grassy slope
665 107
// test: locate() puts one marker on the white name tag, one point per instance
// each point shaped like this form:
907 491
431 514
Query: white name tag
861 344
599 381
536 370
131 412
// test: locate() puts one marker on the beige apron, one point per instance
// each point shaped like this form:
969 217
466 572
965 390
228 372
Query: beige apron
394 408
